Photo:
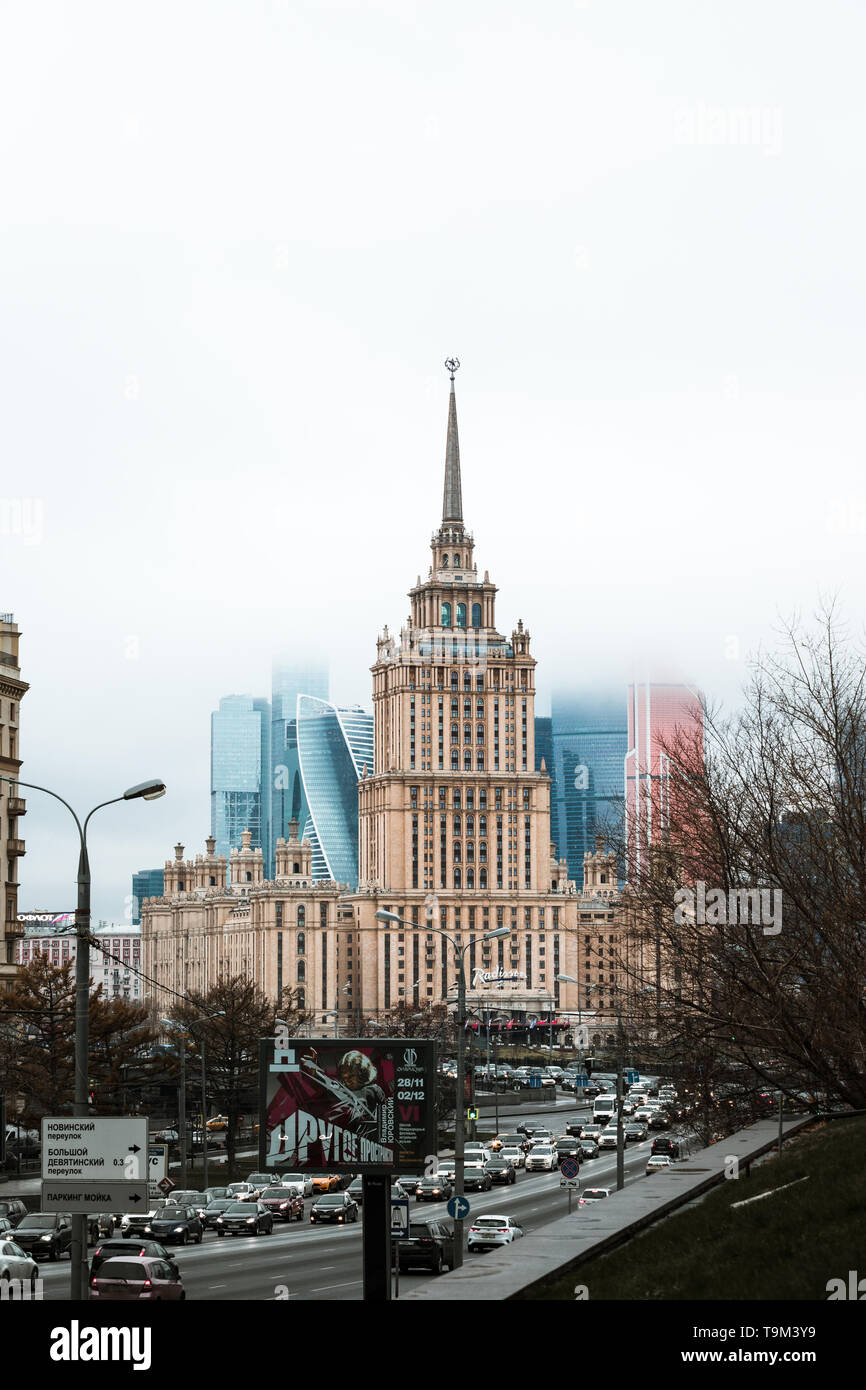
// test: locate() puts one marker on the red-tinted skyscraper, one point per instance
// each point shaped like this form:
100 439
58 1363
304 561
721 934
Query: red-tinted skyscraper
663 721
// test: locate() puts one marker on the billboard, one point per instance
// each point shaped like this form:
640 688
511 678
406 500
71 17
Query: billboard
347 1105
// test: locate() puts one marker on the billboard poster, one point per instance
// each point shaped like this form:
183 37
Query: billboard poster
347 1105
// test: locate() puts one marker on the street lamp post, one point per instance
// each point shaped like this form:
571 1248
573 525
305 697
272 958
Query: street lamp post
149 791
460 1110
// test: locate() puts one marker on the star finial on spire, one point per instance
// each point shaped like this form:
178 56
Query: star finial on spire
453 365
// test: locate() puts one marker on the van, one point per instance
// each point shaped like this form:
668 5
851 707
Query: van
603 1107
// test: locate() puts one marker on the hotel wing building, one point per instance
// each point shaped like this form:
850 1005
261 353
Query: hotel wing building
453 834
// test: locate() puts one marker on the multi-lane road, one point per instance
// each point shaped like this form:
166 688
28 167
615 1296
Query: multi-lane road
301 1261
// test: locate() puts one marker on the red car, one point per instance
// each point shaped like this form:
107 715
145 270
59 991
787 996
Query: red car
139 1278
283 1203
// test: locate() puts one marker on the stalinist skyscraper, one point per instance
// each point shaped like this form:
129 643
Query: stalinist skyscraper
454 819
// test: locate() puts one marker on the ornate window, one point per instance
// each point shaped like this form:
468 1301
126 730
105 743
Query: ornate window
479 734
302 970
476 615
470 878
302 943
456 825
446 615
457 883
457 561
302 916
461 615
482 875
470 824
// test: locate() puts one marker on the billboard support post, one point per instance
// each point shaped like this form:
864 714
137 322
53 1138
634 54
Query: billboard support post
377 1237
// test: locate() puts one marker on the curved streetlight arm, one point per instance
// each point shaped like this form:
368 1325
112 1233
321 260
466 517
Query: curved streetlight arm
15 782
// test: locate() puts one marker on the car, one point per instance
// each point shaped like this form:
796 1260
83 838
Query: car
501 1171
657 1163
476 1152
245 1219
447 1170
5 1226
166 1136
495 1144
407 1185
543 1136
13 1208
282 1204
628 1106
589 1149
140 1278
593 1194
513 1154
217 1123
336 1207
356 1190
213 1210
240 1191
664 1147
476 1178
125 1248
607 1139
260 1181
592 1132
301 1182
635 1132
177 1223
436 1189
541 1158
137 1223
567 1145
327 1182
185 1197
515 1138
575 1127
44 1233
660 1120
643 1112
16 1264
489 1231
215 1194
430 1243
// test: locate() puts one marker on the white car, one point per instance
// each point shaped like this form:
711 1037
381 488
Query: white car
542 1158
657 1164
477 1153
241 1191
593 1194
607 1138
15 1263
301 1183
643 1112
488 1231
514 1155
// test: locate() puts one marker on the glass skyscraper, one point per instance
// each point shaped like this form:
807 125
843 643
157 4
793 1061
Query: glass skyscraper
147 883
590 741
288 801
333 746
240 773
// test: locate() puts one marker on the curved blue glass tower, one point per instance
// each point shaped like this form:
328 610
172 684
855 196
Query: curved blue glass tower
333 746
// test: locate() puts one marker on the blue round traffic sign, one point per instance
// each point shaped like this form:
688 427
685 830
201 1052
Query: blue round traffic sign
458 1208
569 1167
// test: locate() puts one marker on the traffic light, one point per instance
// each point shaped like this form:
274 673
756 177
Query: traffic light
589 1063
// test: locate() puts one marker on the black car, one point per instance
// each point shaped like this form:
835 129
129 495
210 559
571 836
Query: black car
476 1180
44 1234
501 1170
588 1149
634 1132
405 1186
665 1146
568 1146
213 1210
356 1190
181 1224
659 1120
430 1244
336 1207
13 1209
574 1126
245 1219
118 1249
434 1189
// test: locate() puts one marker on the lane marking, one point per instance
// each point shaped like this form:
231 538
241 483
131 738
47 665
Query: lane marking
323 1288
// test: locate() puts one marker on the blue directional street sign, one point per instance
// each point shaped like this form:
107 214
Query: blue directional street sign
580 1082
632 1078
458 1208
534 1081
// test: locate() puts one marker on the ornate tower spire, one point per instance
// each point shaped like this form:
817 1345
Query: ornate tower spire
452 499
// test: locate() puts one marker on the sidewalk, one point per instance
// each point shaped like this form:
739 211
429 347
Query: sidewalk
602 1225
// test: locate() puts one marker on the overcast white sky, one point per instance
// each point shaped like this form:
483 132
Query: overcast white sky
238 241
